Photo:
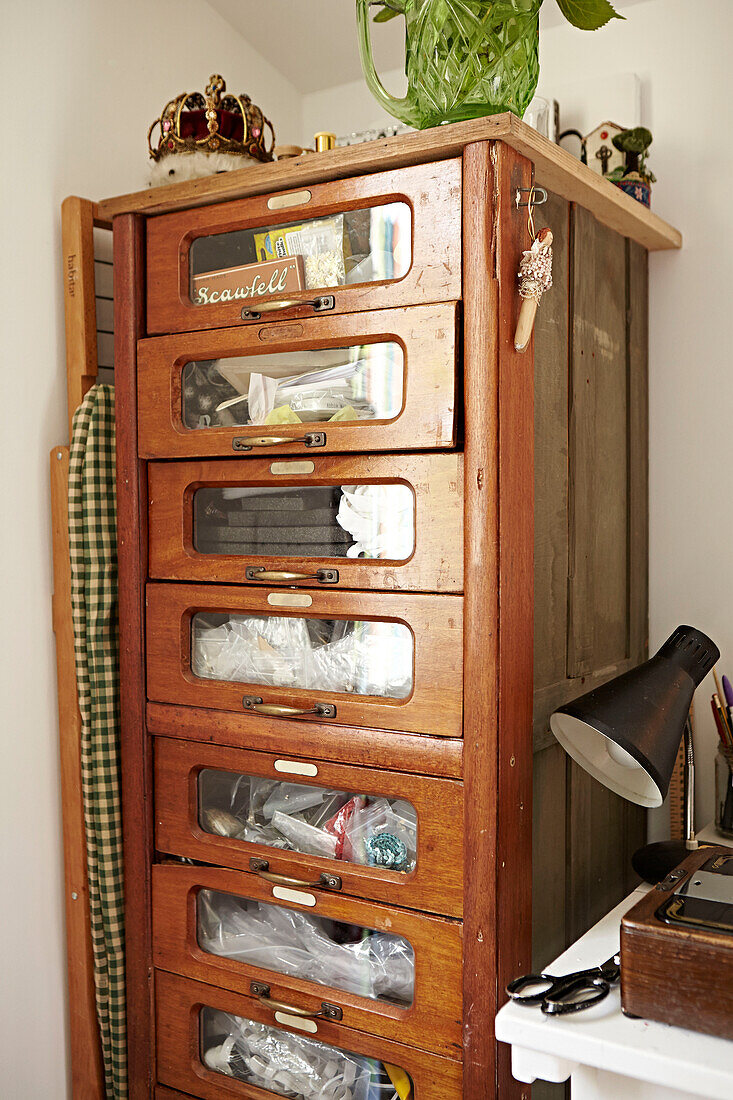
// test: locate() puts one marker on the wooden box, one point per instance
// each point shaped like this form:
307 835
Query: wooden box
678 973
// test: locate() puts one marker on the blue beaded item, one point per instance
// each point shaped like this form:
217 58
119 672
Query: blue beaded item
386 850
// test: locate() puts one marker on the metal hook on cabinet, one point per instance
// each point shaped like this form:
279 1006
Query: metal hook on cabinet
536 196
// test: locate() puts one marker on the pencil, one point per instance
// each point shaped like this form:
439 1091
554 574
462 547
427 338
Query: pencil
726 735
721 693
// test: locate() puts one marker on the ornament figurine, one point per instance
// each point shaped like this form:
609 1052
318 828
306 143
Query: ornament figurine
535 277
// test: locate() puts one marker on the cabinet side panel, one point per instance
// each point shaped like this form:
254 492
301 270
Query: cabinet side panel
135 750
597 635
498 604
551 460
481 605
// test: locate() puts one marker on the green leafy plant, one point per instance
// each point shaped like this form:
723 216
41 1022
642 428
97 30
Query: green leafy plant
634 144
586 15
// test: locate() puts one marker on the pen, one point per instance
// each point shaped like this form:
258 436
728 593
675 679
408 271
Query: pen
728 693
727 735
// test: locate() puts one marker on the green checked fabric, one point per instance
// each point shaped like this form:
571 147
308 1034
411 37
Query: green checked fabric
93 550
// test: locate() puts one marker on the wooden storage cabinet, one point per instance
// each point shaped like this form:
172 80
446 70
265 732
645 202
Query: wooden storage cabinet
242 520
179 1004
436 720
406 1006
412 642
416 409
434 884
430 195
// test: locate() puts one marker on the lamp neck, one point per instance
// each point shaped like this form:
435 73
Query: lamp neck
690 839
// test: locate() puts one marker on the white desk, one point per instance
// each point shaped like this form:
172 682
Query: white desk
605 1055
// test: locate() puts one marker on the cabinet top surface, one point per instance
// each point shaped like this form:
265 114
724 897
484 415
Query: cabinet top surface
555 169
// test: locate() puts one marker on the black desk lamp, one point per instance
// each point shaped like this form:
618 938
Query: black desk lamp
626 734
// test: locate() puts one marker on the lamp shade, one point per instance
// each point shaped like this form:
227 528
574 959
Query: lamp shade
626 733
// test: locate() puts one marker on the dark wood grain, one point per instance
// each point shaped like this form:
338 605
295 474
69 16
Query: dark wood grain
597 612
435 482
135 749
673 974
432 191
551 457
178 1004
436 622
427 335
436 883
402 752
603 832
638 441
432 1022
549 856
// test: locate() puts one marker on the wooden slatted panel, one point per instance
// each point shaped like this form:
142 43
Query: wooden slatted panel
597 635
591 443
551 457
104 299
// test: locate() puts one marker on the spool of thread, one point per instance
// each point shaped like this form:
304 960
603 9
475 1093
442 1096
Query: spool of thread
324 140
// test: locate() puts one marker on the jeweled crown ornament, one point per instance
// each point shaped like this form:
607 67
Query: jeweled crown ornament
212 123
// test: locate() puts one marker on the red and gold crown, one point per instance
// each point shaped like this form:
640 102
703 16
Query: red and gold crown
213 123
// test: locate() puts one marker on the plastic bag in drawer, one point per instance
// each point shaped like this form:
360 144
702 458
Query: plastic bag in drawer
348 957
289 1065
383 834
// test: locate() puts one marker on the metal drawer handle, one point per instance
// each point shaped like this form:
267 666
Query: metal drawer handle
325 1012
323 576
324 302
325 880
247 442
281 710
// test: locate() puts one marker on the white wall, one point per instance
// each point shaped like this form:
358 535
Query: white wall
681 52
84 79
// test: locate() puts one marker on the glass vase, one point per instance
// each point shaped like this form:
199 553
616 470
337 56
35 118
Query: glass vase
463 59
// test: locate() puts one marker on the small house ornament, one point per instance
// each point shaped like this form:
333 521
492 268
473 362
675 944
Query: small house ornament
601 155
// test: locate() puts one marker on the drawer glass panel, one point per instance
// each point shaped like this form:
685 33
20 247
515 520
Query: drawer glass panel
361 382
357 246
372 964
332 655
297 817
292 1065
333 521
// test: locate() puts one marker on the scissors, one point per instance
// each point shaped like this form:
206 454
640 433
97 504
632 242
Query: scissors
559 995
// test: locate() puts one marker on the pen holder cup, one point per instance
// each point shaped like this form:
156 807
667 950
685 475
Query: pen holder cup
724 792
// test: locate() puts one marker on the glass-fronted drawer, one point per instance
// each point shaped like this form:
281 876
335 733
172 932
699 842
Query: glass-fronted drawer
366 832
376 381
363 522
367 965
213 1043
387 239
386 660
